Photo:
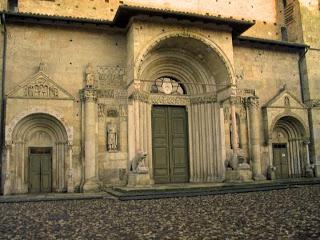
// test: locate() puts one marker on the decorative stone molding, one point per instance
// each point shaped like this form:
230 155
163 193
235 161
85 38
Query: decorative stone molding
169 99
203 99
10 128
88 94
113 93
314 103
110 76
141 96
245 92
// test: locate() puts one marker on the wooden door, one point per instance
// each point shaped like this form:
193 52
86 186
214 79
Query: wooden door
170 144
40 170
280 160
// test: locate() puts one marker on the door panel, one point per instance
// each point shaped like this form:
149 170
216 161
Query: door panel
35 174
40 171
46 173
280 161
170 144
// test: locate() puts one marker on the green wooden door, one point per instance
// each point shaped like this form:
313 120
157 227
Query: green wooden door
40 171
35 173
170 144
280 161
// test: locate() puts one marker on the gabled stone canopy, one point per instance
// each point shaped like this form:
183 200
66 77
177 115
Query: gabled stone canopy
41 86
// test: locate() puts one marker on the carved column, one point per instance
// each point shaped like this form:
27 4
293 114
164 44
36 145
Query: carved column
235 144
255 137
70 175
8 178
89 97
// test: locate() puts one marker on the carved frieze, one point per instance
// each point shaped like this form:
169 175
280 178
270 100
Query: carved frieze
88 94
170 99
203 99
113 93
110 77
140 96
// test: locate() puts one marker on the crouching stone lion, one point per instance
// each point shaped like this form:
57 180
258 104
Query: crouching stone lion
138 163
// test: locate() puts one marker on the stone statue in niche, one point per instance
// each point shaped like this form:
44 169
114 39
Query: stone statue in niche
112 138
90 79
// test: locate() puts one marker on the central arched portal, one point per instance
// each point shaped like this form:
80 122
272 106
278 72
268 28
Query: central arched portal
180 123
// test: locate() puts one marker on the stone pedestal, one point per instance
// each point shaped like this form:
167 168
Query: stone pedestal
139 180
317 170
242 174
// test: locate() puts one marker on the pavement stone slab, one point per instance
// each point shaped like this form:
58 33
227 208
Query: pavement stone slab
292 213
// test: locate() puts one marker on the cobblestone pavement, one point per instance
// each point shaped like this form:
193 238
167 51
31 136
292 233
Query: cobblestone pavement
284 214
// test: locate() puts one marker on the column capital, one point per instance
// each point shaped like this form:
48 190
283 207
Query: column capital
233 100
88 94
252 102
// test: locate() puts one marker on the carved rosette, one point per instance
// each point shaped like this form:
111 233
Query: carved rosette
89 94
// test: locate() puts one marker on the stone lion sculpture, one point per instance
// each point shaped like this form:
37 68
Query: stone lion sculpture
138 163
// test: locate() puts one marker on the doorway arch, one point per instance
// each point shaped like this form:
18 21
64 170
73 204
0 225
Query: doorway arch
32 134
289 151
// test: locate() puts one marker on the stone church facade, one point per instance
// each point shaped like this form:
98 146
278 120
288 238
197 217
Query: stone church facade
106 93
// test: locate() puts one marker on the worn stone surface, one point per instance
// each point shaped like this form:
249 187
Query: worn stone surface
283 214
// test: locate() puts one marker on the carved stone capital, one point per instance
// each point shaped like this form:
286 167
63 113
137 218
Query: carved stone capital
233 100
88 94
253 102
141 96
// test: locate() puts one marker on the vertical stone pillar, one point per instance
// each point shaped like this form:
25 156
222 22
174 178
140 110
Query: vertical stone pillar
70 176
89 97
255 138
7 178
235 144
309 167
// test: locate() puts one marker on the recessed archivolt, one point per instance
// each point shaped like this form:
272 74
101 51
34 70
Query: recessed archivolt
181 66
47 117
140 61
292 125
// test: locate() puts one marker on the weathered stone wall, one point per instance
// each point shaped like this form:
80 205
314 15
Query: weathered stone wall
266 71
310 22
66 53
263 12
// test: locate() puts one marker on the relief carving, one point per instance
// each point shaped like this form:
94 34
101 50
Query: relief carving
112 138
39 86
170 100
110 76
204 99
